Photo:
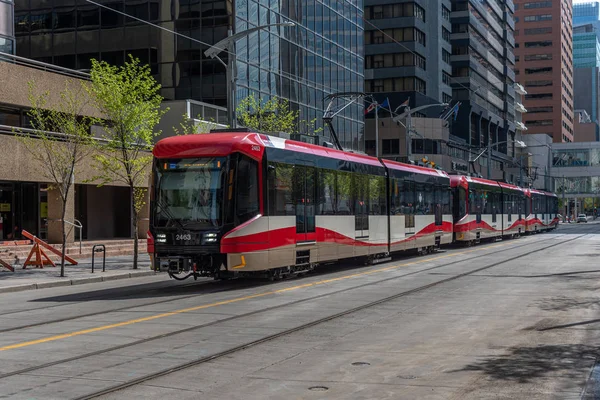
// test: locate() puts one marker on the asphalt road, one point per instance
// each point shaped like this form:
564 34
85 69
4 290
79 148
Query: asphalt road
510 319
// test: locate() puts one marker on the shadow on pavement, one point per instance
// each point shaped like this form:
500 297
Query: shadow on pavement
525 364
203 286
567 303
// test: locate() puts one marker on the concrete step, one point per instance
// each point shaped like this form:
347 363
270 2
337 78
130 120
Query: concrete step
113 248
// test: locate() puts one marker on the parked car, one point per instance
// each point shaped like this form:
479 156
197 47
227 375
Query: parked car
582 218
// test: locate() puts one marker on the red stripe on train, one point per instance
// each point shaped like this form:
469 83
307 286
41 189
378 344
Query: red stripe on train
287 236
472 225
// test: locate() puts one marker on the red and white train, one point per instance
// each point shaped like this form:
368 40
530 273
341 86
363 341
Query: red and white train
242 203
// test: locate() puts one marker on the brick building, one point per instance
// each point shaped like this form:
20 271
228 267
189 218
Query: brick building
544 66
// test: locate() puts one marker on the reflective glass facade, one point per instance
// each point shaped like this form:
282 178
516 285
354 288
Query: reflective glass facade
321 55
576 158
577 185
7 31
586 12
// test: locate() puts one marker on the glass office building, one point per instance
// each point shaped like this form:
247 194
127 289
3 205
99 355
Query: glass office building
7 31
322 54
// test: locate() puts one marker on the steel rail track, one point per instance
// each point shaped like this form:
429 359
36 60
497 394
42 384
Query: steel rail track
206 283
234 317
286 332
238 348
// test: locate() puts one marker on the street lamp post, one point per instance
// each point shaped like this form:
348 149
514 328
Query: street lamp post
408 127
228 44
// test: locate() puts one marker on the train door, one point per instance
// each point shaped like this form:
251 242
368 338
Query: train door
361 206
409 206
304 189
438 209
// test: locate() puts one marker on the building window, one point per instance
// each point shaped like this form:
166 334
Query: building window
390 146
370 146
395 60
538 83
395 11
446 56
538 57
538 4
544 43
395 35
541 70
460 28
446 98
446 78
405 84
445 13
537 18
538 96
446 35
538 110
539 122
538 31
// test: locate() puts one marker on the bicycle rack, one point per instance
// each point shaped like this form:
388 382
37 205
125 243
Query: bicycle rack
99 248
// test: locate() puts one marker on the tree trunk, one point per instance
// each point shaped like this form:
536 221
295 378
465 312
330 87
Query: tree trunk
134 215
64 239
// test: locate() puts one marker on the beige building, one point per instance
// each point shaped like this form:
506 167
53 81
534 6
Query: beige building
26 201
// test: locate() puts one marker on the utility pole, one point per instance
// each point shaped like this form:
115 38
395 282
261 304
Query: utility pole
408 135
563 197
376 128
489 150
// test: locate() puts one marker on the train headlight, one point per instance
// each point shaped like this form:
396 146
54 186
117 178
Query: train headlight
210 237
161 238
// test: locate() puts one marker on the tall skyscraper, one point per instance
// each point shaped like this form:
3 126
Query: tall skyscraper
7 30
586 82
483 78
322 54
584 13
407 51
545 66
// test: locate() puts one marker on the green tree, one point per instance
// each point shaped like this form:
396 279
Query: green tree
60 140
129 98
273 115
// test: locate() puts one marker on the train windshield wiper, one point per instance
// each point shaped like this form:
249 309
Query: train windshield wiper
164 209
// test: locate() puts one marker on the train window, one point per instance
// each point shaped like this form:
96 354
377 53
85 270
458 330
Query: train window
377 201
395 192
280 189
419 199
360 194
445 200
246 199
462 202
326 186
495 202
429 202
344 199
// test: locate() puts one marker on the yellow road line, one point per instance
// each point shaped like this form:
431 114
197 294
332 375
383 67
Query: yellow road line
235 300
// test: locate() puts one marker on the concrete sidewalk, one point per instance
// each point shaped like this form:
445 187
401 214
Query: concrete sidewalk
35 278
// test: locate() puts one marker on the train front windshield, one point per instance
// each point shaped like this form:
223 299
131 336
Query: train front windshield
189 192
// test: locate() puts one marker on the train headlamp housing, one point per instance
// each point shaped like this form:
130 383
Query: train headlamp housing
210 237
161 238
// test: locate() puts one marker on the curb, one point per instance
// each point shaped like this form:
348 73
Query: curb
77 281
